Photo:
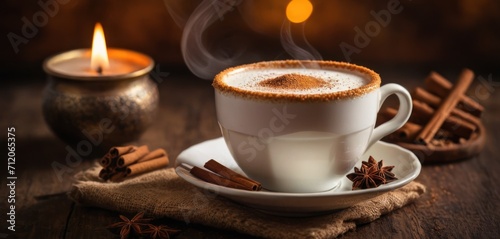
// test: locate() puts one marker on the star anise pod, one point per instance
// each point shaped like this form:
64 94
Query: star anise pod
371 174
128 225
371 162
159 232
385 172
366 177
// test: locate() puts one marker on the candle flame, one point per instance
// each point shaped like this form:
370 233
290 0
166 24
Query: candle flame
299 11
99 59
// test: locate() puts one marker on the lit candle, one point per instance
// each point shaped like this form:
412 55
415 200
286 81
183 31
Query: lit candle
98 62
99 97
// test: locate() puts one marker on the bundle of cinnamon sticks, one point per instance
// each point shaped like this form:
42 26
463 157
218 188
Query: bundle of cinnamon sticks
442 113
127 161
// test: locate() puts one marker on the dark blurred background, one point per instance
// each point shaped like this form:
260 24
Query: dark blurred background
422 36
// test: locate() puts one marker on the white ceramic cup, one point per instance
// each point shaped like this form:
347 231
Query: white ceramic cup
300 142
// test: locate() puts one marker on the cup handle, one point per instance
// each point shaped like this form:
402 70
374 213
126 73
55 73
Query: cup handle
404 112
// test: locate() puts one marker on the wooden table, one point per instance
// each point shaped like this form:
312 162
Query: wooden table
462 198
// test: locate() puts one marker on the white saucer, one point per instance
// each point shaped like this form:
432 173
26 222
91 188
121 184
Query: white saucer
407 167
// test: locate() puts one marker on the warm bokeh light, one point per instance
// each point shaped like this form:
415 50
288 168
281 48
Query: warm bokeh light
99 59
298 11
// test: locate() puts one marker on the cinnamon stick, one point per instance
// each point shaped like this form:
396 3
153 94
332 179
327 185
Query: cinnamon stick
408 131
225 172
106 160
157 153
118 176
454 96
424 96
119 151
420 94
147 166
216 179
111 156
437 84
423 113
132 157
386 114
105 174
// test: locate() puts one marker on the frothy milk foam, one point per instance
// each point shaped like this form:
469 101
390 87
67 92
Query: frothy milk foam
334 80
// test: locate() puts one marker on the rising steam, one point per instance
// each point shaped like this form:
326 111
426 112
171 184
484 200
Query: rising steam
308 52
203 62
174 9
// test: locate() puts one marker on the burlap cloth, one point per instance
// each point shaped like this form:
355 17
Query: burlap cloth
164 194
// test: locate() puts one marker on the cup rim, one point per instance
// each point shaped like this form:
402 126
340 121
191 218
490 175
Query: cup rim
373 84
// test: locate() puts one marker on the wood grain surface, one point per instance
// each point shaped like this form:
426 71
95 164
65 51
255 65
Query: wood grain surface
462 198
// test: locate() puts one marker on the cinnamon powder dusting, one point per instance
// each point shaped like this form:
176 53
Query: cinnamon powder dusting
293 81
